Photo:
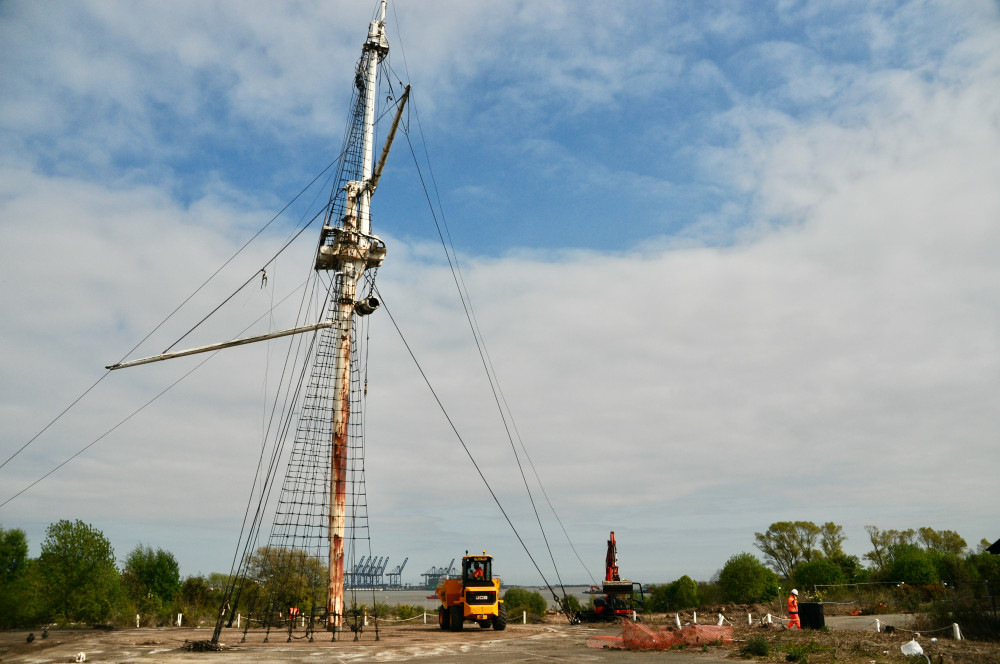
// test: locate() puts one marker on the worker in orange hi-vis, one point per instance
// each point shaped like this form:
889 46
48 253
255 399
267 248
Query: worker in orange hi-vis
793 610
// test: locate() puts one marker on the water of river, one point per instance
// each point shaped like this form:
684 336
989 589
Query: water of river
426 598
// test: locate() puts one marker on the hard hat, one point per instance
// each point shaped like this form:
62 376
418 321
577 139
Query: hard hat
794 591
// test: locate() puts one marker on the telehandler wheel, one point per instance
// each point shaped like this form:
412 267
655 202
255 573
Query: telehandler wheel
456 617
500 620
442 617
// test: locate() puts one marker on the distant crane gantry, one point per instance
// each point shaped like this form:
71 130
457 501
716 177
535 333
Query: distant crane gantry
435 575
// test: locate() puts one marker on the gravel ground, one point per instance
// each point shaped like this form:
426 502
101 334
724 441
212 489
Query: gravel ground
848 640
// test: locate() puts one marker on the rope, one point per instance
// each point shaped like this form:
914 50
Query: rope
153 331
458 435
487 362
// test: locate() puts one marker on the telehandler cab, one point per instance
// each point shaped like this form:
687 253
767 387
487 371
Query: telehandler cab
475 597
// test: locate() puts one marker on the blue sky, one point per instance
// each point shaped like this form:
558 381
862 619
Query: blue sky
735 263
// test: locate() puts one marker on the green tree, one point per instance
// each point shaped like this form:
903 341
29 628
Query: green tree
78 573
945 541
195 592
831 539
17 590
658 598
911 565
884 542
850 567
987 568
679 594
788 543
819 572
289 577
13 555
153 573
746 580
684 593
151 579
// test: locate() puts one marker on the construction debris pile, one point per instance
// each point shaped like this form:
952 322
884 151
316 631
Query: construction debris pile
636 636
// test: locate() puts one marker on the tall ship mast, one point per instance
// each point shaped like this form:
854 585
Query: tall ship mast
347 249
313 523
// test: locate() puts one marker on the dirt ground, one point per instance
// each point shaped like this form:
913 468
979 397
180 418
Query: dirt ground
847 640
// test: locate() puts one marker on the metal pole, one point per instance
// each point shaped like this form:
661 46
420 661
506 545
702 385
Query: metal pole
377 46
219 346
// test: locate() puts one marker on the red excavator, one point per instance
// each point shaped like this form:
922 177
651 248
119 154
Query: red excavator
621 596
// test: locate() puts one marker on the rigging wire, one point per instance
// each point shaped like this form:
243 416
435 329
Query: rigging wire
292 397
56 419
249 280
477 334
171 314
483 355
236 580
461 440
136 411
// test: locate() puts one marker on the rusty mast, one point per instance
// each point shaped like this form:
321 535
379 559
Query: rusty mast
347 249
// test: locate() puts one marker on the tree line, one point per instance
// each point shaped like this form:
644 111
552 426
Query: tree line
76 579
811 557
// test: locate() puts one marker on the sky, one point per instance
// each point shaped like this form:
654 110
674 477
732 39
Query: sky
734 263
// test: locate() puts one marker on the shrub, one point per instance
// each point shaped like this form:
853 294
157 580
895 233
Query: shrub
709 592
406 611
756 646
519 599
570 604
745 580
912 565
799 652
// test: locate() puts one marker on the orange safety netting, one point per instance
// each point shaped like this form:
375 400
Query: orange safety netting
636 636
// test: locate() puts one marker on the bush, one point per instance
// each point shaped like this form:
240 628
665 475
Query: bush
976 618
745 580
570 604
799 652
710 593
912 565
519 599
403 611
756 646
